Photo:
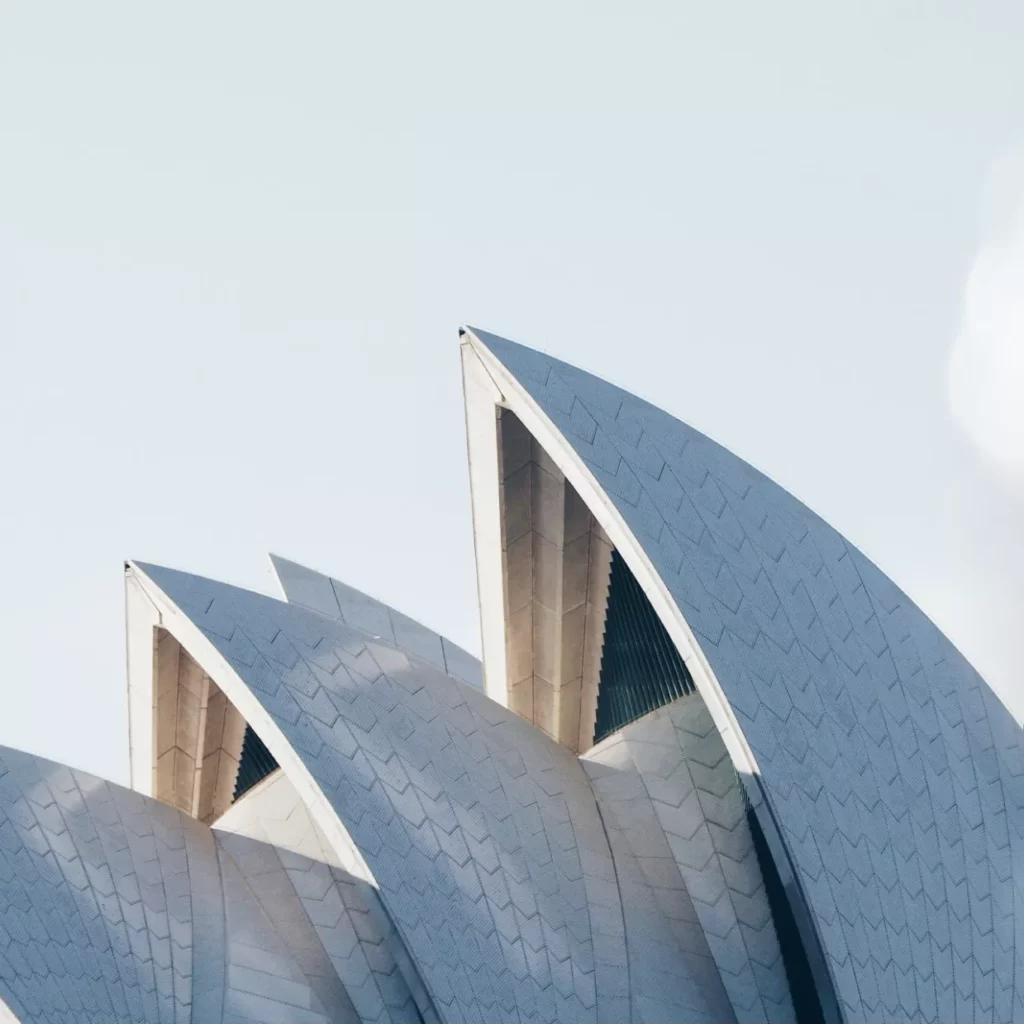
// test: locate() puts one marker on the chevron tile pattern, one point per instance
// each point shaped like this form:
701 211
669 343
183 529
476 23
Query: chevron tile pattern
115 907
276 971
893 769
484 836
272 833
676 797
337 600
492 875
95 912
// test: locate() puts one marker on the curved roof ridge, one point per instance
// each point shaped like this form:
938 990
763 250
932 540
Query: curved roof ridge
496 344
331 597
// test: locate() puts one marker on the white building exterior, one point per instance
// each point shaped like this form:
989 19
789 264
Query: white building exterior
713 767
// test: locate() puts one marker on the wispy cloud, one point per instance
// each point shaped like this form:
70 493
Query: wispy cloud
986 364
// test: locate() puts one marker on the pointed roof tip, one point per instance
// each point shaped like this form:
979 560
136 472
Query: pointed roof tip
496 343
285 569
468 334
276 561
137 565
479 334
150 567
279 562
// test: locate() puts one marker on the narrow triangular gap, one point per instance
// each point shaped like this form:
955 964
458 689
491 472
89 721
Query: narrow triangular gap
256 763
641 668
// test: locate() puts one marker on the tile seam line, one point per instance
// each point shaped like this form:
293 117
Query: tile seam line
618 889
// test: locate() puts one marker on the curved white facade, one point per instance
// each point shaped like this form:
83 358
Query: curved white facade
802 803
116 907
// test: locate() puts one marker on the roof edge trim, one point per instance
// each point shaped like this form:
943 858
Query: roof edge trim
481 396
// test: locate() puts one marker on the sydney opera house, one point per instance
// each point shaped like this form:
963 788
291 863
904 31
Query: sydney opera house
714 766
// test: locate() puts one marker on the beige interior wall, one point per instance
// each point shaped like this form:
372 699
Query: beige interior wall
556 562
198 734
222 750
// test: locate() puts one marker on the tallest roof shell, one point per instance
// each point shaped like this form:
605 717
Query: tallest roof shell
889 768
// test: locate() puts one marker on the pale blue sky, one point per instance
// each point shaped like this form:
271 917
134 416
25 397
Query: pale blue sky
237 240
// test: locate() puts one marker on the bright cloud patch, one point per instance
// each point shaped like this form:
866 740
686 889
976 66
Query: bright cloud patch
986 365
